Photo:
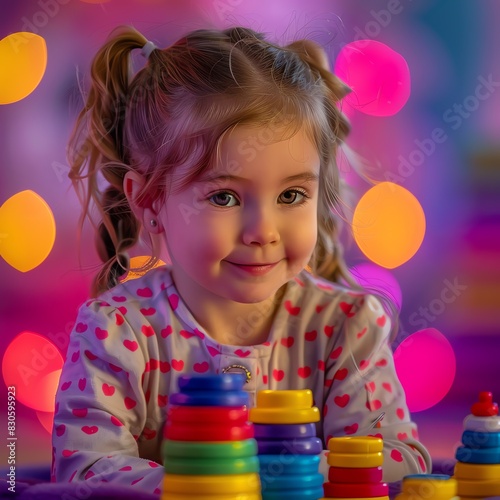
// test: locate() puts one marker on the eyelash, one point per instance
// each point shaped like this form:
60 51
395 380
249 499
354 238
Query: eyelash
299 191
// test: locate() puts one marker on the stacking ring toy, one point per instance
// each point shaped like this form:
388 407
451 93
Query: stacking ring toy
297 494
373 498
207 414
482 424
201 466
476 471
355 444
207 449
429 485
273 465
284 416
304 446
212 485
285 399
223 382
471 488
345 475
354 490
478 456
476 439
221 432
355 460
201 398
284 431
288 482
180 496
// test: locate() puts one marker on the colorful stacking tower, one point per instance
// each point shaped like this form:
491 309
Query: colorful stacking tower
478 468
428 487
287 445
355 469
209 452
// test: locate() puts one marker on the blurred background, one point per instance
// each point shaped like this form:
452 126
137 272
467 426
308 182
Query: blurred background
437 137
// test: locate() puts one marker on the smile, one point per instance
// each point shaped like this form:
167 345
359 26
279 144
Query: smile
255 269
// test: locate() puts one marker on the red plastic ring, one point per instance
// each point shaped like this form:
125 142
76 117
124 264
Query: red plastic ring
353 490
207 414
198 432
345 475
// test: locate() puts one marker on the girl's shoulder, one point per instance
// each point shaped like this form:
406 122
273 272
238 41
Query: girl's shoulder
142 289
317 297
316 286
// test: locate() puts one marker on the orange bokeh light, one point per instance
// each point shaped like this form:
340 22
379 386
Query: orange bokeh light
28 230
137 263
23 58
389 225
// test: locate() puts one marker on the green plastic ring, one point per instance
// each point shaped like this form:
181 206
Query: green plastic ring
209 449
200 466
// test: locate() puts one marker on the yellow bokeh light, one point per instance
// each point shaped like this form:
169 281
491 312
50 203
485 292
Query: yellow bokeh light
389 225
27 230
137 263
23 58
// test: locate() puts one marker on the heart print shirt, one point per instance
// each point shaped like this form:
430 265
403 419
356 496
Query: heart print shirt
129 346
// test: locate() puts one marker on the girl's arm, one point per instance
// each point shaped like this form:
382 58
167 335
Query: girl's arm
100 409
361 384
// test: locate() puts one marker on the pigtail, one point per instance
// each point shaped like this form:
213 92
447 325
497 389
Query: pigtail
97 146
327 260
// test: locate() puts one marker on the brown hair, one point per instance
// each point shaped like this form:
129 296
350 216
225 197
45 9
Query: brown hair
175 111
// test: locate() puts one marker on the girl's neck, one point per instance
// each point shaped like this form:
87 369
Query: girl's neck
229 322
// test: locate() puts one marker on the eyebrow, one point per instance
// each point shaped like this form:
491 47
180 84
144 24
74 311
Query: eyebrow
303 176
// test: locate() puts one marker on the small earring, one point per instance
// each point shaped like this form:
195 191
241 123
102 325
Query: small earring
153 223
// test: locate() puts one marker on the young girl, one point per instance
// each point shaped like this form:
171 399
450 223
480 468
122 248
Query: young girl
222 148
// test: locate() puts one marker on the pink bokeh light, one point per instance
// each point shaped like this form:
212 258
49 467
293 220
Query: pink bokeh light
378 279
378 76
426 366
32 364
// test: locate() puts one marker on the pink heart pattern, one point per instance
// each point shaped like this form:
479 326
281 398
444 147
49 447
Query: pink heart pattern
307 351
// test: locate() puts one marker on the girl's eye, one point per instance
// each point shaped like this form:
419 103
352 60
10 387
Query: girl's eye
223 199
292 196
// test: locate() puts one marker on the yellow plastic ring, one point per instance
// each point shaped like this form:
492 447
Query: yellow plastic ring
437 496
478 488
285 399
222 484
430 488
355 460
355 444
251 496
284 416
476 471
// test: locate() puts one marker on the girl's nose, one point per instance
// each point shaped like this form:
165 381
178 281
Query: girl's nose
260 227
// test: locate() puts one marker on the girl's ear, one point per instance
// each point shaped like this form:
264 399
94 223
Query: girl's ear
141 204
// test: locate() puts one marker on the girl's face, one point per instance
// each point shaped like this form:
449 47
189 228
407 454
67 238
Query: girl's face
248 225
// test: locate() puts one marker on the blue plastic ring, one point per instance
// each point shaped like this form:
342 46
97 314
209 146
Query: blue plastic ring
289 464
282 482
223 382
298 494
199 398
475 456
303 446
279 431
473 439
